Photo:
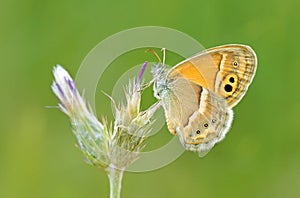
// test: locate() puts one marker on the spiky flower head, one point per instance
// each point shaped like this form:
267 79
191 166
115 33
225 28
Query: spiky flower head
105 144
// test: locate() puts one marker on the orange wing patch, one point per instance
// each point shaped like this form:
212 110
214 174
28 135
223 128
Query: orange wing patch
190 72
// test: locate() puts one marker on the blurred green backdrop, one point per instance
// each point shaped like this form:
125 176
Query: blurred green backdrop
260 156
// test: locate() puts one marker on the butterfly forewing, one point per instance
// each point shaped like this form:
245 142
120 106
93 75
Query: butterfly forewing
227 70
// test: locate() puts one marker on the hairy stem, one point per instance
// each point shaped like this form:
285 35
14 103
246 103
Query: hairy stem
115 177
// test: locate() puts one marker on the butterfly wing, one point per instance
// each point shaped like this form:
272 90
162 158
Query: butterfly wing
198 116
198 94
226 70
180 99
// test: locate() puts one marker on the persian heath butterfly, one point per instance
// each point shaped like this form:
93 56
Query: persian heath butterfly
198 94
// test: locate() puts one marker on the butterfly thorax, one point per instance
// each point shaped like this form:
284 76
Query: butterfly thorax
161 84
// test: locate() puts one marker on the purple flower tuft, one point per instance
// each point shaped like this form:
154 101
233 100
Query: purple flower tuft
141 73
71 85
60 90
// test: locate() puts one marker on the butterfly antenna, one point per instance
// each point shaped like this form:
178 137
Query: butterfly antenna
155 54
164 55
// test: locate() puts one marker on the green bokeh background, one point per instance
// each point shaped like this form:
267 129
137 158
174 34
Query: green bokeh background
260 156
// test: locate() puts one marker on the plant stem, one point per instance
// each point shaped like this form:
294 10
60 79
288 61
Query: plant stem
115 177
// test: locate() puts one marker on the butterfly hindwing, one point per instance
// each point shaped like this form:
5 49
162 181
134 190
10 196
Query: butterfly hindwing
200 118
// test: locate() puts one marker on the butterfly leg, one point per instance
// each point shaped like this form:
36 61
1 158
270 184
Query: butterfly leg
145 86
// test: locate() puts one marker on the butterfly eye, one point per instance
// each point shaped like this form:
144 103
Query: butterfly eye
198 131
205 125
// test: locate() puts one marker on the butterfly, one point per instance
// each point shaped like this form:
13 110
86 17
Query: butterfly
198 94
